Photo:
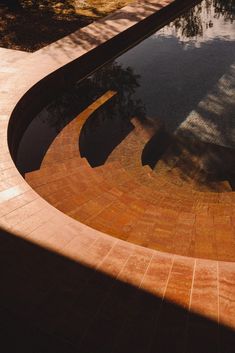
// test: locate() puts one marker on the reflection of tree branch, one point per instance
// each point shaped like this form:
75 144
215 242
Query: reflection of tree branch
226 8
190 24
111 77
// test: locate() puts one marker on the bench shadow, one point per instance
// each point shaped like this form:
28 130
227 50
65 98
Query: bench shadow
50 303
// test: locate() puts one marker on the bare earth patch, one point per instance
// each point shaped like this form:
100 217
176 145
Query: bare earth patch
30 25
99 8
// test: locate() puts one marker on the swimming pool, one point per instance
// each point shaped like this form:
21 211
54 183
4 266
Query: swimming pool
177 78
159 117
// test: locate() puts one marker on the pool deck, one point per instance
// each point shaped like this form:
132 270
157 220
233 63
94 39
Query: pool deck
66 287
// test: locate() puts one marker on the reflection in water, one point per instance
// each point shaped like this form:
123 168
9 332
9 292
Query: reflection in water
192 92
112 77
111 124
210 130
180 83
95 147
203 16
225 8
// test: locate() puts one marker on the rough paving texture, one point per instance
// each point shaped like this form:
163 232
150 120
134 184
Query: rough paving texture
66 287
157 210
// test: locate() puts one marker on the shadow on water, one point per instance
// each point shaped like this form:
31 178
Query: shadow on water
169 88
204 163
203 145
157 87
51 121
156 147
170 100
52 304
102 133
104 130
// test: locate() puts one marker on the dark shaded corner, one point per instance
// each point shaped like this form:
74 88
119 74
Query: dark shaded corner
156 147
52 304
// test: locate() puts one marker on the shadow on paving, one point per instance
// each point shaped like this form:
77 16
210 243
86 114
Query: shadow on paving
205 163
31 28
52 304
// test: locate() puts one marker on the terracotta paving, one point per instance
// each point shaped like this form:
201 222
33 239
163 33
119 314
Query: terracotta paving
122 198
66 287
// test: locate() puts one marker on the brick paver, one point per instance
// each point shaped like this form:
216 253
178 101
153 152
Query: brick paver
66 287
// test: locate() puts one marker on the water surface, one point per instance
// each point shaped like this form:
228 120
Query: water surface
179 83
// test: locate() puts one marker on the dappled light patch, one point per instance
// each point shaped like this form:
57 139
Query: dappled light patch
30 25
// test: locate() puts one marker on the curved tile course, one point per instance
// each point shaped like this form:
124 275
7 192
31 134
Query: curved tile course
67 287
124 199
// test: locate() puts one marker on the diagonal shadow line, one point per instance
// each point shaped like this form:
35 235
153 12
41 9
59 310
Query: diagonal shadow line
50 303
127 38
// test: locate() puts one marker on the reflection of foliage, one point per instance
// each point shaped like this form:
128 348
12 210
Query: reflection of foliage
225 8
192 22
110 124
112 77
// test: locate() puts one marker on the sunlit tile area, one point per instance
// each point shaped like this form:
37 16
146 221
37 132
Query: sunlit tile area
144 148
118 233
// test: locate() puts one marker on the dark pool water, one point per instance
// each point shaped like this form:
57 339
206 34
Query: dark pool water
180 82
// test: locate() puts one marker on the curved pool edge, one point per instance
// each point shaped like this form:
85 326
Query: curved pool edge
25 214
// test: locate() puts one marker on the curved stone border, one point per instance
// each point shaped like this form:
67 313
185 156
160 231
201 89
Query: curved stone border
201 286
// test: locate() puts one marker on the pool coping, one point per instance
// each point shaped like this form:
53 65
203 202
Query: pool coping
25 214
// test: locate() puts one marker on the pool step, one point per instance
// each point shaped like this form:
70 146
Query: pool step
134 205
175 175
111 174
156 208
65 145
